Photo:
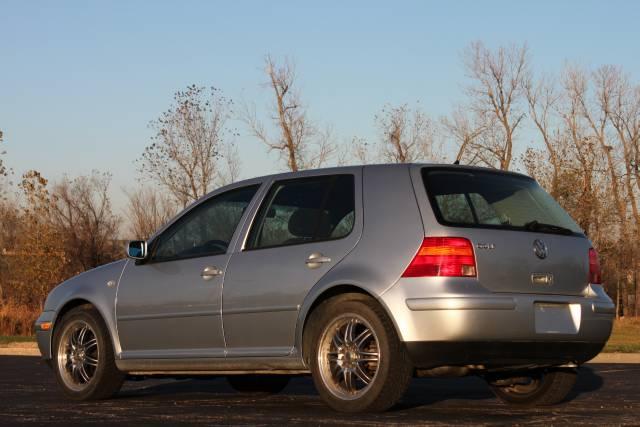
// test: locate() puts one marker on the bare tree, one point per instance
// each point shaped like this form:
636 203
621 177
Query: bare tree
82 212
191 139
596 114
299 142
361 150
148 210
465 132
407 135
624 116
495 95
4 171
542 98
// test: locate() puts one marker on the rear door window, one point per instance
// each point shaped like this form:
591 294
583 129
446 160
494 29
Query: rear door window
305 210
493 200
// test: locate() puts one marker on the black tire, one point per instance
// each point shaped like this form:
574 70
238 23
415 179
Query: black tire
105 379
538 388
393 370
258 384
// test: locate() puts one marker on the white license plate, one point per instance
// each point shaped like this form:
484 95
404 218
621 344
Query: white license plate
552 318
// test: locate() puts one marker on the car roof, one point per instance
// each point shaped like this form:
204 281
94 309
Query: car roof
350 168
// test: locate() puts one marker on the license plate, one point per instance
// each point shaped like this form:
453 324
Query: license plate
553 318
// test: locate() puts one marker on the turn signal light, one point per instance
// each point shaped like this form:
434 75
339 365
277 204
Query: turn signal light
45 326
443 256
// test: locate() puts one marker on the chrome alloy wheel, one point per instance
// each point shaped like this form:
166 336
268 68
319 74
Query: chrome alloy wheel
78 355
349 356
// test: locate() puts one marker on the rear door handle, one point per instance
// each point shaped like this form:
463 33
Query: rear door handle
210 272
316 259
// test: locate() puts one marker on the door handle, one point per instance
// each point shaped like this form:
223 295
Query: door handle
210 272
316 259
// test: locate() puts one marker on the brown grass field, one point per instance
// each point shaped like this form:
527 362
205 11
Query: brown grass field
625 337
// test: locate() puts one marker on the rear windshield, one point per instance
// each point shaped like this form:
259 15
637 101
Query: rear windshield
493 200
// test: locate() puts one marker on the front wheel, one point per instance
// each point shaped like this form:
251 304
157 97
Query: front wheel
358 363
536 388
83 356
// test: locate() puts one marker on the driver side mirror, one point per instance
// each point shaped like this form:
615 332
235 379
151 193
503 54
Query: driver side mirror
137 249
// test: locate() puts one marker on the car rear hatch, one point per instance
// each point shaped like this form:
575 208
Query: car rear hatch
523 241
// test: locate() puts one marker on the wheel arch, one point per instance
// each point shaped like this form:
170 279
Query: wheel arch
70 305
304 340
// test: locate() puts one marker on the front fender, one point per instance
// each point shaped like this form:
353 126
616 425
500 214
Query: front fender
97 287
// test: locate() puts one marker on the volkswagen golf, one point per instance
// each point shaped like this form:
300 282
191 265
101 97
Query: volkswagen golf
363 277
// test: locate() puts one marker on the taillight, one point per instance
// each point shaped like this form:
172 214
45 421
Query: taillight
443 256
594 267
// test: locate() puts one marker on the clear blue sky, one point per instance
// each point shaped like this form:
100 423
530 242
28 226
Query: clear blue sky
79 81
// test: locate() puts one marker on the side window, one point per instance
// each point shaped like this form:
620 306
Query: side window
207 229
305 210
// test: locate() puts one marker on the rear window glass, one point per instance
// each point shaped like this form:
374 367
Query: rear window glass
492 200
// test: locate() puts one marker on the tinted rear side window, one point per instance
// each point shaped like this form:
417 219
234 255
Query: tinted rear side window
305 210
491 200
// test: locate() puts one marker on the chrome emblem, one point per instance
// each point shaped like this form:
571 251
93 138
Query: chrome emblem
485 246
540 249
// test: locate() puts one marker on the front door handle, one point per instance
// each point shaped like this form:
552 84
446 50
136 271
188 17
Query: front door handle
316 259
210 272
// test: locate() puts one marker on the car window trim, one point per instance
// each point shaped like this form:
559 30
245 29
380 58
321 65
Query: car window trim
156 241
259 219
440 218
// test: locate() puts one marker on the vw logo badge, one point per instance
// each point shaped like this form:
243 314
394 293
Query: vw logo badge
540 249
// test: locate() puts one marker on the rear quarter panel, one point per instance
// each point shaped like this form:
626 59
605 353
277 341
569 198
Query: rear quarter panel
392 234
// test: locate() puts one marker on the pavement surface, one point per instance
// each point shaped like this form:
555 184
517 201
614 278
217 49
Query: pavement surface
606 394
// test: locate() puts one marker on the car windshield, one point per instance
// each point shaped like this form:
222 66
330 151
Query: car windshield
487 199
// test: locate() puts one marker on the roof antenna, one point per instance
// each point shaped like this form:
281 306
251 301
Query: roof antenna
457 162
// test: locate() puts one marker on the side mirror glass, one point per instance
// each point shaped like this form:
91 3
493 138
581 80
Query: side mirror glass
137 249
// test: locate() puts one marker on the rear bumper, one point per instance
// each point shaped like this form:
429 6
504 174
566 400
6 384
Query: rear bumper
497 354
457 322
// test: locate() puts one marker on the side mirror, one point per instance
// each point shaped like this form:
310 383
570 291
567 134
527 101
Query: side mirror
137 249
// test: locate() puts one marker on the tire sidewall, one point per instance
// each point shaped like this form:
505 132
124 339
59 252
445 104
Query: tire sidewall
331 310
95 322
548 381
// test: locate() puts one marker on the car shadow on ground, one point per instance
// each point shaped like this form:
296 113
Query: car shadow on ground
422 391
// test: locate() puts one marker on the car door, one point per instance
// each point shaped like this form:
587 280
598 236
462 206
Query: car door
170 305
303 228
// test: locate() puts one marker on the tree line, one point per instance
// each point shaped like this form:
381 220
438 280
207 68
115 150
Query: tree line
577 132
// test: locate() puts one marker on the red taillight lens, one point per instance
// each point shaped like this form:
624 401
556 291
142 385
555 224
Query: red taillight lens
594 267
443 256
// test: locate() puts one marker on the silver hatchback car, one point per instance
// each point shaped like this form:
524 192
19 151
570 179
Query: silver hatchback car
362 276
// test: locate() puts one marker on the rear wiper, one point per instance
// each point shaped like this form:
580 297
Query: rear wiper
549 228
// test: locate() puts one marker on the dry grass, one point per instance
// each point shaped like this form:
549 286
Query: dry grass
17 320
625 337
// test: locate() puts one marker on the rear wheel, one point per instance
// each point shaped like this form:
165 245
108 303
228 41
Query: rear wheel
537 388
83 360
357 361
261 384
